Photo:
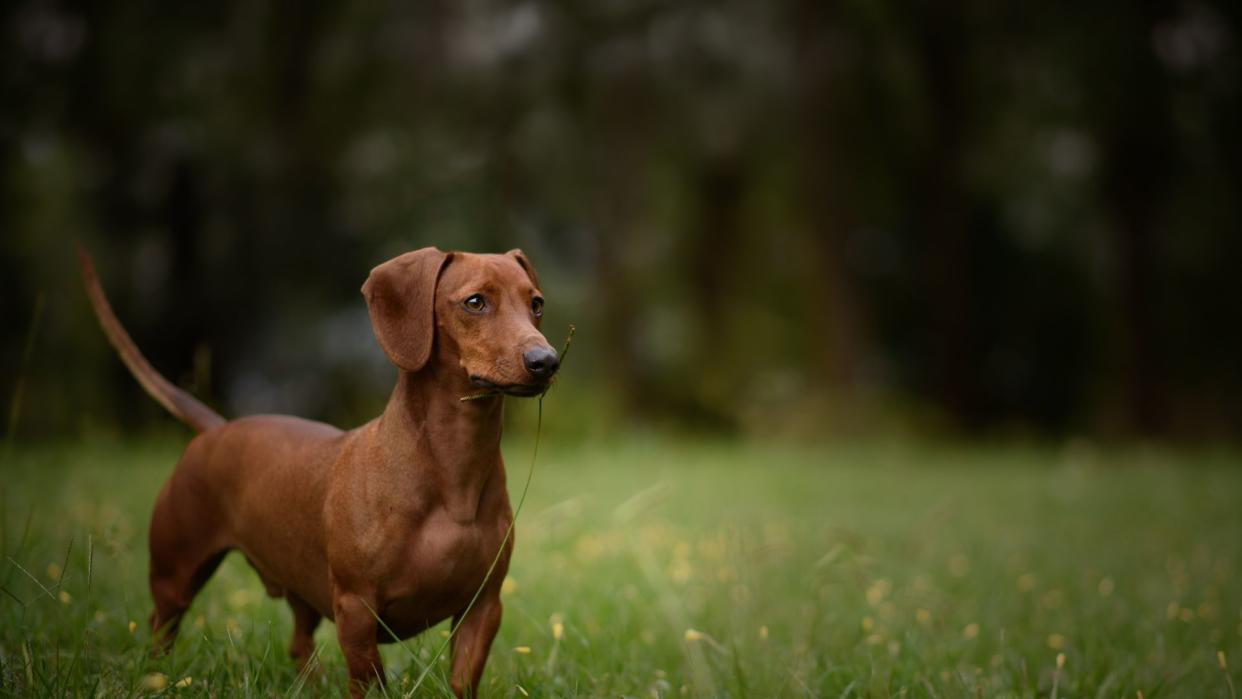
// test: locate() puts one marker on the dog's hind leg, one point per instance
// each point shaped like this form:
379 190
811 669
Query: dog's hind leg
173 588
183 558
305 619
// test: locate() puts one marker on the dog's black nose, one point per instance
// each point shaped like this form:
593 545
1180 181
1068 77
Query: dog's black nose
541 362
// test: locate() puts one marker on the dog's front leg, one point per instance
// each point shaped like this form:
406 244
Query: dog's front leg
355 630
472 642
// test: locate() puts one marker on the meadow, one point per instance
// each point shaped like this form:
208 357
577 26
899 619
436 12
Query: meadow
662 567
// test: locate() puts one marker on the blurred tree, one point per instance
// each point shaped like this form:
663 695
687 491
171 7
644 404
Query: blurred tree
763 216
1131 118
831 123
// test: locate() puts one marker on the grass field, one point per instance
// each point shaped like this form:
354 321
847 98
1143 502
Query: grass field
651 567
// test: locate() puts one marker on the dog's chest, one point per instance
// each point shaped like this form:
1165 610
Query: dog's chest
443 564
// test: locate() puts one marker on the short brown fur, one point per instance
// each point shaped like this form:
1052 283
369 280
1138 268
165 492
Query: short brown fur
400 517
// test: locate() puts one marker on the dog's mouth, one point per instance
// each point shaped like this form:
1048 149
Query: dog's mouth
520 390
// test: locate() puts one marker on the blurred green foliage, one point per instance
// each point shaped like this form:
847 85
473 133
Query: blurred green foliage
765 217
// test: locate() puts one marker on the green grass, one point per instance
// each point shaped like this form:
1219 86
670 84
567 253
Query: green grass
703 569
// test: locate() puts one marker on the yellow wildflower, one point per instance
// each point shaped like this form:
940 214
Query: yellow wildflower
1106 587
877 591
153 682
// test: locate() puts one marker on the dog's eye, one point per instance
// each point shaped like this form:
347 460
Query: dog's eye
475 303
536 307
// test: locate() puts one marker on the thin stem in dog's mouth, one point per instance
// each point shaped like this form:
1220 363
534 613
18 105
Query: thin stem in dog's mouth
518 390
530 473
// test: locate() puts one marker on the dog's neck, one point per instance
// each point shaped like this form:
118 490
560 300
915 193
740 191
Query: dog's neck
452 446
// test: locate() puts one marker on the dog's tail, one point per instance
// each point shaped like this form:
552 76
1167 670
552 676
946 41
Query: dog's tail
185 407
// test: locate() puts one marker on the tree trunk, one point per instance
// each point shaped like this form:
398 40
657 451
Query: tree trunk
942 49
826 58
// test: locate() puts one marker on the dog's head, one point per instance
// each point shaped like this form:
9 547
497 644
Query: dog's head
482 310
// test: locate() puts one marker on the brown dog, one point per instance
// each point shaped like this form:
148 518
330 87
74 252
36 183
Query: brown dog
399 518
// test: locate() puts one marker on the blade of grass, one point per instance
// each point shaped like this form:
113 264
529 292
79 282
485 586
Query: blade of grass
17 599
21 545
64 567
503 543
36 580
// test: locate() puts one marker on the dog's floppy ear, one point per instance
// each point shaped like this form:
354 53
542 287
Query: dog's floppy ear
401 297
521 260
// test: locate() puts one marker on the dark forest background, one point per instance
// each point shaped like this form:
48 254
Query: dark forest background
766 218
